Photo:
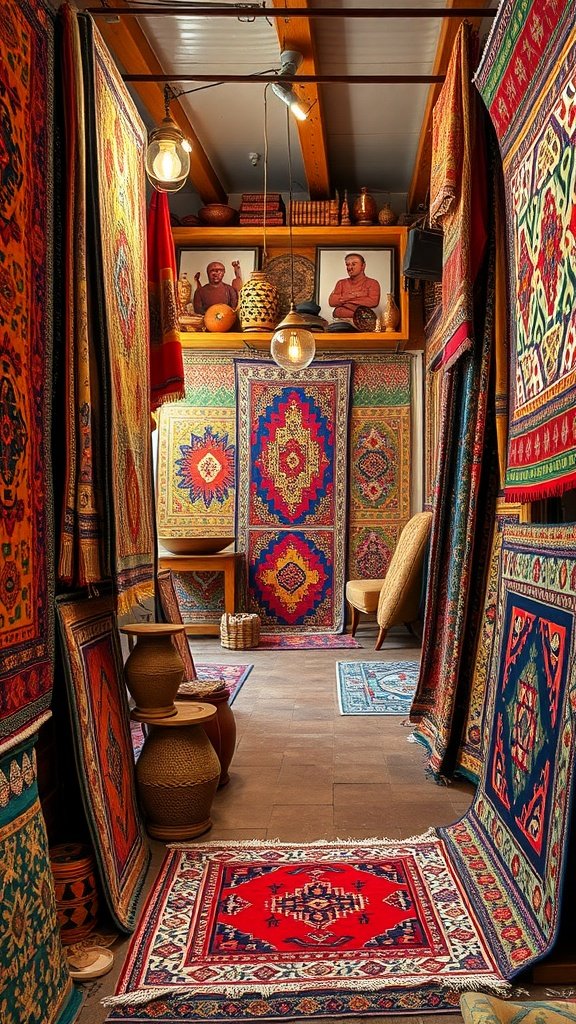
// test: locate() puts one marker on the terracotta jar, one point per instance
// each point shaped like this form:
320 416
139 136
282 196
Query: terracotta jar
258 303
75 890
364 209
221 730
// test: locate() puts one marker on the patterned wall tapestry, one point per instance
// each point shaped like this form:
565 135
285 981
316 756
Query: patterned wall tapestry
527 78
292 486
196 486
35 983
26 515
379 501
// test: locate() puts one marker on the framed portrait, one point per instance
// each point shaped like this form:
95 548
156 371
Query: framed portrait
192 263
352 277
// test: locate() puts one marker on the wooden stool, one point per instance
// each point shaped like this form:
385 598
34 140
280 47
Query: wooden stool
178 772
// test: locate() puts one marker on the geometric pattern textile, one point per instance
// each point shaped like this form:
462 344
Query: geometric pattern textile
292 489
331 928
171 611
196 484
103 749
116 146
376 687
527 79
35 982
26 283
379 501
470 756
233 675
510 848
200 596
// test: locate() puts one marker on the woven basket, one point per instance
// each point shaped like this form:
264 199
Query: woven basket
240 632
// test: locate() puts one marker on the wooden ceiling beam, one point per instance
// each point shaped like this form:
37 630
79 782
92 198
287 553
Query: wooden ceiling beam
129 44
420 183
296 34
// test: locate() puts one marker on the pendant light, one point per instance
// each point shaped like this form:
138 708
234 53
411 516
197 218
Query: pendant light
292 346
290 61
168 153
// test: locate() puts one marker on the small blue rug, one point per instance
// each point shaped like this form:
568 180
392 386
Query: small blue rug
376 687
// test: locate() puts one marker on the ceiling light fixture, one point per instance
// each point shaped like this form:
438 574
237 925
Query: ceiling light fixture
168 152
292 347
290 61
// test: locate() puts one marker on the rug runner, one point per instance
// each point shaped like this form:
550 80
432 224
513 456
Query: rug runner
292 432
251 930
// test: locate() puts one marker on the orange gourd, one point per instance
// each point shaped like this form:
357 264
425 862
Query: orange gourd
219 317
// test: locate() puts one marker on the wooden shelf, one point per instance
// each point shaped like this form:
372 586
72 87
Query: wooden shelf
304 238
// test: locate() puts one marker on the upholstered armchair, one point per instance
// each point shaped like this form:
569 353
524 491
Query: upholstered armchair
396 597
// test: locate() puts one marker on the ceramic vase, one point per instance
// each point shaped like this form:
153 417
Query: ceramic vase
386 216
390 314
364 209
154 669
258 303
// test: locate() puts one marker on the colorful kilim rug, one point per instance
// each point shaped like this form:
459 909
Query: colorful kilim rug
324 929
292 487
196 482
471 753
307 641
457 198
510 848
376 687
103 748
117 145
527 78
26 279
35 984
379 502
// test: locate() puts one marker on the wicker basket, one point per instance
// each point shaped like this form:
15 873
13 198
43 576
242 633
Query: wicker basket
240 632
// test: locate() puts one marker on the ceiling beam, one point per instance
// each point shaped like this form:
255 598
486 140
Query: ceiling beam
296 34
127 41
420 184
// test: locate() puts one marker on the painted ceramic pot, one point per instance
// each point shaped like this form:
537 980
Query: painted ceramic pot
259 303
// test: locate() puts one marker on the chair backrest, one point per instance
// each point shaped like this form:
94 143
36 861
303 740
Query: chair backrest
400 595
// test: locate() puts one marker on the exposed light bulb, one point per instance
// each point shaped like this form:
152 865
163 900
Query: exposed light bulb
292 346
166 164
298 110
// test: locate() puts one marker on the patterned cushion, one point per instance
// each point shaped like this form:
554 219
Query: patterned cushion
400 597
478 1008
364 594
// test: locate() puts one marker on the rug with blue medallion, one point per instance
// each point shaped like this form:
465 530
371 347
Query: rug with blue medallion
292 435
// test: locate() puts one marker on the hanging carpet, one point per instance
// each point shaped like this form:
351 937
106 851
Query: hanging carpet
292 434
102 739
166 368
269 930
527 78
380 440
35 983
26 349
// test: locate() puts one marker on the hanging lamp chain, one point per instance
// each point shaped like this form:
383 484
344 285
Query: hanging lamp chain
290 208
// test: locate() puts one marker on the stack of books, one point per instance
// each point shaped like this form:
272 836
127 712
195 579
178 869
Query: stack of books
255 209
315 211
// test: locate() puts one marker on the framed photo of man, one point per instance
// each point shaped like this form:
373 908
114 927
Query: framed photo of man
353 277
207 277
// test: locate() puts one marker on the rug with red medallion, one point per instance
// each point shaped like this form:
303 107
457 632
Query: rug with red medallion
268 930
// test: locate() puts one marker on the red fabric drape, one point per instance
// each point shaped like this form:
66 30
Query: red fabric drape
166 366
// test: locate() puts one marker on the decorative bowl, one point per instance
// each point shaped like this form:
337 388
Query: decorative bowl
217 215
195 545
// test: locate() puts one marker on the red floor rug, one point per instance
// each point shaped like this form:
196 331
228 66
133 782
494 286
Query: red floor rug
307 641
279 930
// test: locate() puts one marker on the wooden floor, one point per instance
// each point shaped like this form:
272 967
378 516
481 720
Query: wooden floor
302 771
